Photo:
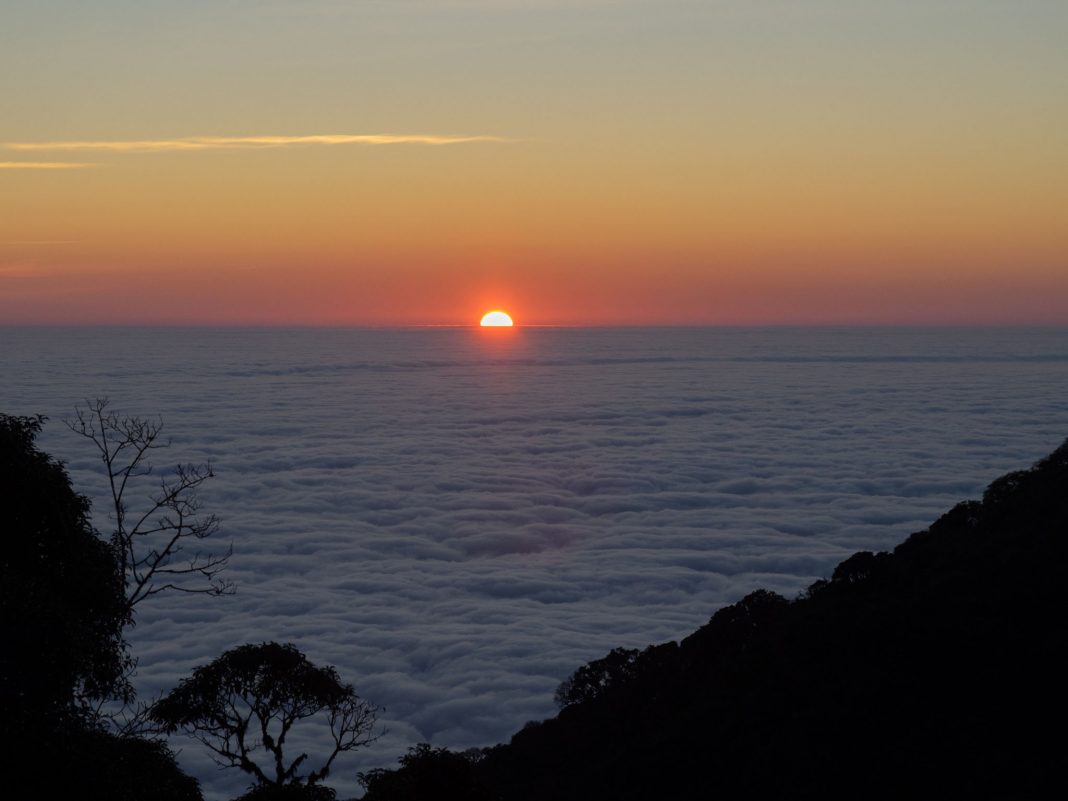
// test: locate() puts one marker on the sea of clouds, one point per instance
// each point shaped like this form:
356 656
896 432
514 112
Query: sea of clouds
457 519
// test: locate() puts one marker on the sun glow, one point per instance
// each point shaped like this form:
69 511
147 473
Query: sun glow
496 319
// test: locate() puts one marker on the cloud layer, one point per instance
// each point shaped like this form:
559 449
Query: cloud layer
457 521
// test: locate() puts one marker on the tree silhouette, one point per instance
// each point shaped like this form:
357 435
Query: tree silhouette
244 704
598 677
62 613
62 607
151 543
428 774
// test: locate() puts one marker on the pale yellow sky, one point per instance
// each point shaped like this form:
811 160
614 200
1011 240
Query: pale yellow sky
583 162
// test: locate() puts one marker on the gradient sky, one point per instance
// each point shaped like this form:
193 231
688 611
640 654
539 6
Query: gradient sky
574 162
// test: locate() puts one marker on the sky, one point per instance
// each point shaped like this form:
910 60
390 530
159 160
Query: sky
592 162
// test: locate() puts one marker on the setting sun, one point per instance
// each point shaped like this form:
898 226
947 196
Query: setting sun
496 319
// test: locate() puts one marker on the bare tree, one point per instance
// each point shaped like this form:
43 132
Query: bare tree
152 542
244 704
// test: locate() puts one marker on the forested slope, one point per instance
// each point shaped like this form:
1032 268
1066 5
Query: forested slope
924 672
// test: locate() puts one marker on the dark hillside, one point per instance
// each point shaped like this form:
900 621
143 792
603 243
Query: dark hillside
929 671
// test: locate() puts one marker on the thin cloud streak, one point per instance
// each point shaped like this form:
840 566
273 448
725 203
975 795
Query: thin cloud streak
38 242
43 165
194 143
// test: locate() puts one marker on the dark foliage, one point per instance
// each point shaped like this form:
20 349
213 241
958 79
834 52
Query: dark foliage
62 604
930 671
244 704
76 762
428 774
99 765
62 613
289 792
599 677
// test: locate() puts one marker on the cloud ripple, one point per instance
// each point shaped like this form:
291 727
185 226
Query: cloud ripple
457 526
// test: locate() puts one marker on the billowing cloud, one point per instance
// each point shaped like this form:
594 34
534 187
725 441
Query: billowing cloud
43 165
193 143
458 526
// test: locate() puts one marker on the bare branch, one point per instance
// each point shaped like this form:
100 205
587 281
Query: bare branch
352 722
150 544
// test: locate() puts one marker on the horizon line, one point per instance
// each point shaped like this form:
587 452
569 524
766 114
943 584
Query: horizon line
475 325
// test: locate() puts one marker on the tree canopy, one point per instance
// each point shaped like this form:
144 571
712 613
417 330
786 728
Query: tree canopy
62 654
62 602
244 704
428 774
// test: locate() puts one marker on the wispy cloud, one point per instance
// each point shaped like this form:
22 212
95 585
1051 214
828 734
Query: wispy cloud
38 243
237 142
43 165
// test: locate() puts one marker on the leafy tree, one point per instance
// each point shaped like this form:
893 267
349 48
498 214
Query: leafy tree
62 606
599 676
428 774
244 704
151 542
63 609
732 628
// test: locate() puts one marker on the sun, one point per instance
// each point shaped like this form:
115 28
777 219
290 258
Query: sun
496 319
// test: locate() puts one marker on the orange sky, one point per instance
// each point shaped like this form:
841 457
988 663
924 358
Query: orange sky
575 163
